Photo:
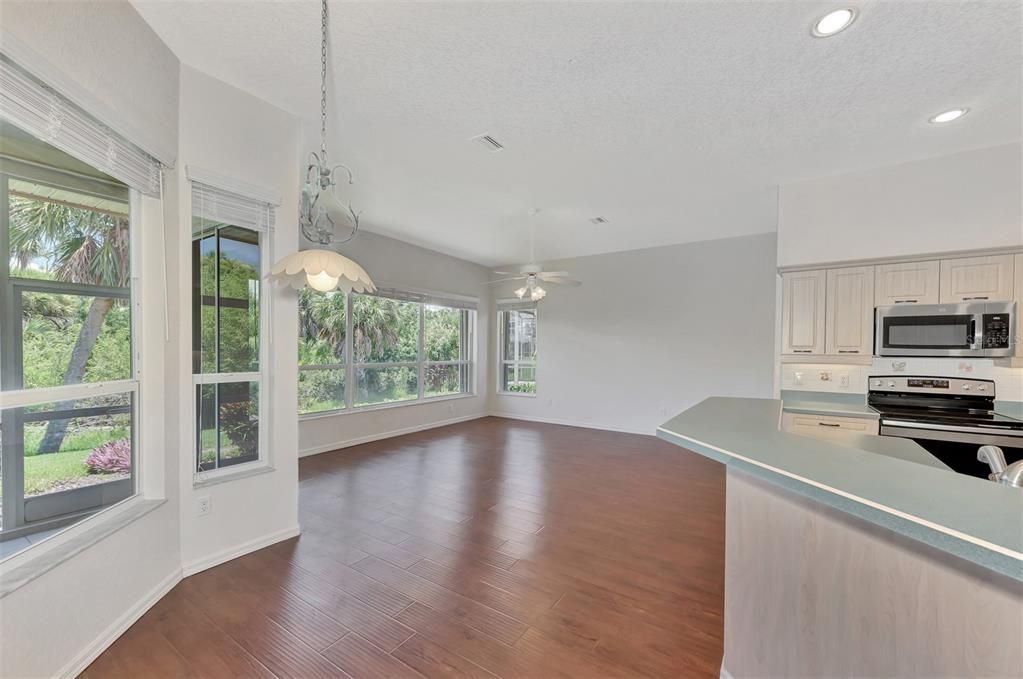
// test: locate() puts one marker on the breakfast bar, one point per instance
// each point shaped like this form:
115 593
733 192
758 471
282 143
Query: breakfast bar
836 549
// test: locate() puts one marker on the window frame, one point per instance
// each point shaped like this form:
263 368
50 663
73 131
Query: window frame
515 362
261 377
12 290
467 361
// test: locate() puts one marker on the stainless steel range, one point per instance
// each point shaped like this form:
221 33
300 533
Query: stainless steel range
949 417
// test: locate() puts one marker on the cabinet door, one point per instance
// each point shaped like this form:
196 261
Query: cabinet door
908 283
803 312
1018 296
976 278
850 311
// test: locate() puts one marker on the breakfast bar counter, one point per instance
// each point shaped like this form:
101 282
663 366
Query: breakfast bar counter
862 558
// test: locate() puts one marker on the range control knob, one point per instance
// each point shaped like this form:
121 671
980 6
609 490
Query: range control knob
966 387
891 383
878 383
981 387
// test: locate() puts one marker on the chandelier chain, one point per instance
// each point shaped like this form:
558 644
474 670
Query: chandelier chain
323 78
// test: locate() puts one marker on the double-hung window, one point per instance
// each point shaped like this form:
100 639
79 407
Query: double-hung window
392 347
518 349
229 327
70 189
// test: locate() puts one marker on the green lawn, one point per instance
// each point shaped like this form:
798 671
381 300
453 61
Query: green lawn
43 471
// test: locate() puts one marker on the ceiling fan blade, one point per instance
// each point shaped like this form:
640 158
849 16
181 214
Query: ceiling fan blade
505 273
556 274
563 281
502 280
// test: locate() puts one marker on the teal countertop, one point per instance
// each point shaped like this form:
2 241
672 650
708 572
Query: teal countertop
828 408
874 479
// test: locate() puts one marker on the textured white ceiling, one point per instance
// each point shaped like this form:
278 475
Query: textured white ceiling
674 120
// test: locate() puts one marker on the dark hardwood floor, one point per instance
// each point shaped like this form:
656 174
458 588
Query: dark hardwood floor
492 548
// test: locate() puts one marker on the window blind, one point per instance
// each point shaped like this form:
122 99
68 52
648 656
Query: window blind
225 207
513 304
38 109
437 299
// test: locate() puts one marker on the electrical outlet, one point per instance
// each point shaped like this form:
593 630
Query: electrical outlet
203 505
843 380
797 378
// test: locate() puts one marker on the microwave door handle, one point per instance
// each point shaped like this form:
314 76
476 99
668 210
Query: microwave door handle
976 340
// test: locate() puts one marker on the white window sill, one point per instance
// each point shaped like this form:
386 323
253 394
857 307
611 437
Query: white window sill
384 406
24 567
517 394
227 474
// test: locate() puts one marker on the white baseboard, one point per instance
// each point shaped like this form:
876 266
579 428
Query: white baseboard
78 664
316 450
570 423
222 556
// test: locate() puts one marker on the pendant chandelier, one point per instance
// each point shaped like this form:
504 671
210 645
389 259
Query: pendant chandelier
322 212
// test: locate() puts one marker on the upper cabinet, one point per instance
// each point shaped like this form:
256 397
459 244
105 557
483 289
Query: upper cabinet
976 279
1018 296
849 328
906 283
803 299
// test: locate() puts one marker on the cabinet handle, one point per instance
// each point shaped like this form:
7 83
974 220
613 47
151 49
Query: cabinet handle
906 301
967 299
827 424
802 351
848 351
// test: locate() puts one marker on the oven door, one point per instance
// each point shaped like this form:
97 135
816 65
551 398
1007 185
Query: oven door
932 330
957 446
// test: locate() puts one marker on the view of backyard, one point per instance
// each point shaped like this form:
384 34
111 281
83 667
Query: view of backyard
385 333
70 336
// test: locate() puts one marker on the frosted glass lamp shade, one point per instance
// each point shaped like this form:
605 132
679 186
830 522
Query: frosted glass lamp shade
322 270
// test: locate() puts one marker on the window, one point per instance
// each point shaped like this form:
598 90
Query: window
358 350
68 402
228 326
518 351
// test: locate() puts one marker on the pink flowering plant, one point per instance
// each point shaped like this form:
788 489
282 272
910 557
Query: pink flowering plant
113 457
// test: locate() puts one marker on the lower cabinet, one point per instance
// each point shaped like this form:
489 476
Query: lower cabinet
828 428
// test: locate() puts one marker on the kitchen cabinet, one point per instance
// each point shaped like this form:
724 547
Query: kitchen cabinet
1018 296
849 325
906 283
976 279
828 428
803 300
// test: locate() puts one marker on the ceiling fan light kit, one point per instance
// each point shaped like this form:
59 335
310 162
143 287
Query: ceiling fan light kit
321 211
533 274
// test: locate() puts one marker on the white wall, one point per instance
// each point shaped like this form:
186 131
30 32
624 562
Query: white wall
57 617
104 57
965 201
235 135
393 263
652 332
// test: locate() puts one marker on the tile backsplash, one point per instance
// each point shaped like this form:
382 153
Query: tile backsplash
852 379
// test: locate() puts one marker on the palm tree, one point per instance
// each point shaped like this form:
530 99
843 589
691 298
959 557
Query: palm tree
85 247
375 323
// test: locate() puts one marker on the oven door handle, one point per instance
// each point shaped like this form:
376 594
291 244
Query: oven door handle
992 429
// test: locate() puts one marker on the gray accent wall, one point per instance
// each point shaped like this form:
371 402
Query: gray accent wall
652 332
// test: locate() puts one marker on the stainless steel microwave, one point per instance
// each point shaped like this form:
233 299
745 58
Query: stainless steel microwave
977 329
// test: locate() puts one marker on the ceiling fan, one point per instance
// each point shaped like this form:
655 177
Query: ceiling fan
533 274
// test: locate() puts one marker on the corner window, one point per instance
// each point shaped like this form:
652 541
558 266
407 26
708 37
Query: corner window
228 327
69 397
359 351
518 351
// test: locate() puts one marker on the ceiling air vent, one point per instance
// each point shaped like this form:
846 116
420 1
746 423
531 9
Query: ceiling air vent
489 143
599 220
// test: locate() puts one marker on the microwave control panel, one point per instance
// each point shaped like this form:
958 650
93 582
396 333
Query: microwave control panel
996 331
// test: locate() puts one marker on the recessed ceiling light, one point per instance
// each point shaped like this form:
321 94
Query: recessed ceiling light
949 116
833 22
